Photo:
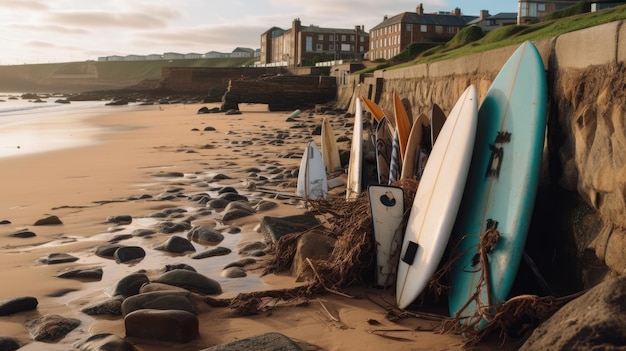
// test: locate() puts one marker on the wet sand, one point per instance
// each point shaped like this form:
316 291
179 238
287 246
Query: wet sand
137 146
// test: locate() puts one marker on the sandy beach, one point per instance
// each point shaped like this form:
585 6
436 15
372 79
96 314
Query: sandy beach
124 172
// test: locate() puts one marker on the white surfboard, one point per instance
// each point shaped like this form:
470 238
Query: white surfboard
387 206
353 183
330 151
312 182
437 199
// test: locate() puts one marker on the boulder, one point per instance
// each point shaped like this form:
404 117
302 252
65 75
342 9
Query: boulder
263 342
51 328
594 321
191 281
104 342
160 300
165 325
18 304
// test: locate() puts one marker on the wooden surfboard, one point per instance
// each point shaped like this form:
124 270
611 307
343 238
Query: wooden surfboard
384 140
501 186
330 152
437 200
403 125
373 107
387 206
417 142
353 182
312 182
437 119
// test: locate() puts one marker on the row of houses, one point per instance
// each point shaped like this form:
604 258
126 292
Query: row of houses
237 53
302 45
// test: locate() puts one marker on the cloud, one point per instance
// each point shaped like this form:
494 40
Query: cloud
51 28
22 4
93 19
206 38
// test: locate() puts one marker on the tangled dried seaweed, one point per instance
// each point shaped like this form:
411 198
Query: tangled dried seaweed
350 222
515 316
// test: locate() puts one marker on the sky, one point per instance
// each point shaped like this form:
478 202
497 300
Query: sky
41 31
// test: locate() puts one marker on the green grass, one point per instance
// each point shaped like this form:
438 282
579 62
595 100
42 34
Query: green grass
512 35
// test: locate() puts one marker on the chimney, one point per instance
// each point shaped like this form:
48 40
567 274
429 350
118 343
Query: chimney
484 14
420 9
385 18
457 12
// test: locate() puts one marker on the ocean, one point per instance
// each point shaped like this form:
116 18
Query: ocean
29 127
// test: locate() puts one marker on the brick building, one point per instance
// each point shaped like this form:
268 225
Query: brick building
393 34
304 45
531 11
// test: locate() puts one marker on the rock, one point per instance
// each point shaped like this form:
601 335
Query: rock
50 220
255 246
263 342
171 267
230 215
265 205
108 250
176 244
218 251
593 321
120 219
217 203
51 328
241 263
160 300
129 285
129 253
205 235
141 232
164 325
85 274
191 281
171 227
233 272
104 342
275 227
311 245
8 344
227 189
203 109
230 197
150 287
56 258
5 221
109 307
18 304
23 234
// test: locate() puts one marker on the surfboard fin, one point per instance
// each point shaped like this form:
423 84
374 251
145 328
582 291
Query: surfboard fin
409 254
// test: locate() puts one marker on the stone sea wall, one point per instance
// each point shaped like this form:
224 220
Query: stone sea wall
583 186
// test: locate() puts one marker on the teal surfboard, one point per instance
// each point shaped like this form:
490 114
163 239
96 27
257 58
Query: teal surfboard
501 186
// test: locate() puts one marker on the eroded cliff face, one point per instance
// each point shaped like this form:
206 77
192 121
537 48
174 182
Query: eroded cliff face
587 138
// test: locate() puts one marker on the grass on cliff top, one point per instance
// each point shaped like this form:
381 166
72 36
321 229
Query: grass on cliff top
512 35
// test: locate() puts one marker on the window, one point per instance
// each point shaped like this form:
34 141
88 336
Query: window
319 47
541 7
439 29
424 28
331 37
308 43
362 39
451 30
343 37
352 38
408 27
320 37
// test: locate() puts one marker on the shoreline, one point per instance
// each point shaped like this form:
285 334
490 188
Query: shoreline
84 186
